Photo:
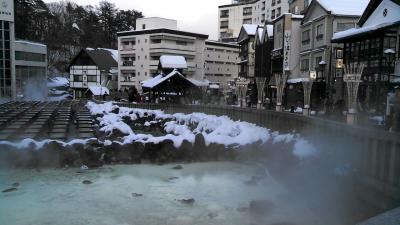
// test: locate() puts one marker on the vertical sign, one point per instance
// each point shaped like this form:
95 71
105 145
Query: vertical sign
286 50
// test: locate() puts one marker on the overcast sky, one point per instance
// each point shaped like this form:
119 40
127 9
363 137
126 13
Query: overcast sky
199 16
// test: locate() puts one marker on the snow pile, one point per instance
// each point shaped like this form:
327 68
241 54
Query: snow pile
180 127
57 82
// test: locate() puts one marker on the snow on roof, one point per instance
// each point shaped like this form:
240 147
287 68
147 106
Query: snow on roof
250 29
151 83
345 7
298 80
260 32
358 31
390 51
199 83
214 86
114 53
270 30
173 62
30 43
99 90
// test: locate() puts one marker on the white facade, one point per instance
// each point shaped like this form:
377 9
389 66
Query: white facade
140 51
31 69
221 62
232 17
7 73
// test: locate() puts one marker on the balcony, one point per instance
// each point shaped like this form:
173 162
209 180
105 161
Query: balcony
224 16
224 27
127 63
127 48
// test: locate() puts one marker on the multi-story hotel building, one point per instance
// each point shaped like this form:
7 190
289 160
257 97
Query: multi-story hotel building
30 69
7 52
221 62
233 16
140 50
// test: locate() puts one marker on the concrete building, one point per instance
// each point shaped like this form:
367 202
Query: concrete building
141 49
298 7
233 16
221 62
321 20
7 50
93 72
30 69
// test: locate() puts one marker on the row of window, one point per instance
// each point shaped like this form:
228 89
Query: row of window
29 56
305 64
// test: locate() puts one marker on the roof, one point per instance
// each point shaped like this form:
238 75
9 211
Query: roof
344 7
99 90
355 32
237 4
162 30
250 29
373 4
30 43
159 79
105 59
173 62
260 31
270 30
222 44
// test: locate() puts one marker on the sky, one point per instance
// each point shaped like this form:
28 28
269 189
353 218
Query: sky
200 16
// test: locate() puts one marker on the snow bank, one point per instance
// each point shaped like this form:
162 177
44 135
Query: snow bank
57 82
181 127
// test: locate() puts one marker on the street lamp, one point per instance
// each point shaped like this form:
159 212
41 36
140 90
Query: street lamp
307 87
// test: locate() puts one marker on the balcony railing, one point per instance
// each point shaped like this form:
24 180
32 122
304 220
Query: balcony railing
127 63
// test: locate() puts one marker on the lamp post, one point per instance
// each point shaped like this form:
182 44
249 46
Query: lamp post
280 85
307 87
260 89
390 56
352 77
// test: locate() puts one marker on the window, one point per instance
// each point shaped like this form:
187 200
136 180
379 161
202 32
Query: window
144 26
305 65
224 13
28 56
247 21
92 78
273 14
181 43
273 3
344 26
278 12
224 24
247 11
305 37
278 2
78 78
320 32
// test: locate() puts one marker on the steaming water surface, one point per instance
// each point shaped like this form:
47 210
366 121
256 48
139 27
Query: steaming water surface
222 193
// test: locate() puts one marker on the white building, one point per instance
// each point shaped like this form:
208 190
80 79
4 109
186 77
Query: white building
30 69
93 72
233 16
221 62
141 49
7 52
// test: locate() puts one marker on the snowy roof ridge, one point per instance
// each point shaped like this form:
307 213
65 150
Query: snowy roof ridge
153 82
344 7
251 29
173 62
30 43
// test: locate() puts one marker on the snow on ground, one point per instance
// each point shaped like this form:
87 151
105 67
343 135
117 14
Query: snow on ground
180 127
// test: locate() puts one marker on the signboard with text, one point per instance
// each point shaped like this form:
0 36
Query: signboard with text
7 10
286 50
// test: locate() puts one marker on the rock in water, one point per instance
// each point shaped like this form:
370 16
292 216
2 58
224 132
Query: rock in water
189 201
87 182
178 167
212 215
9 190
16 184
84 167
135 195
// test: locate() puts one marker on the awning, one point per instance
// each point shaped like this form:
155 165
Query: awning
99 90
